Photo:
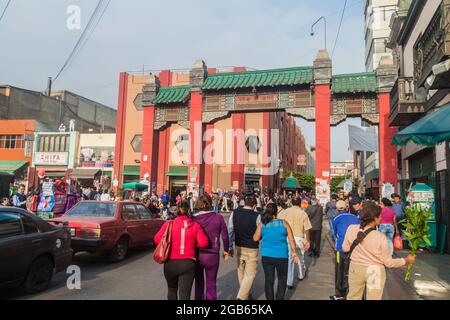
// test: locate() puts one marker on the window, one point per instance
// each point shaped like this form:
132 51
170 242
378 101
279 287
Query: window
12 142
10 225
253 144
129 212
54 143
29 226
182 143
136 143
145 214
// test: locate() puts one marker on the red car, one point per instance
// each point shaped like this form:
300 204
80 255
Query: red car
111 227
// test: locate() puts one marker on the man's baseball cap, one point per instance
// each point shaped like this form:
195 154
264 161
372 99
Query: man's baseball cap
341 205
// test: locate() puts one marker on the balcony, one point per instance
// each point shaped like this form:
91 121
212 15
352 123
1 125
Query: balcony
406 106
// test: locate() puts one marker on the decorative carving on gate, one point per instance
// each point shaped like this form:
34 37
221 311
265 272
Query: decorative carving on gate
337 119
212 116
171 114
306 113
373 118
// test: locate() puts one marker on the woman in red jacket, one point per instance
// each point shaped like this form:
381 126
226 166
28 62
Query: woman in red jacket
179 270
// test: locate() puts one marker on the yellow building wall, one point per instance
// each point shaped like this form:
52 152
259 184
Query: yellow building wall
134 119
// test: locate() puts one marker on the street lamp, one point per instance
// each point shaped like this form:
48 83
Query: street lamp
314 24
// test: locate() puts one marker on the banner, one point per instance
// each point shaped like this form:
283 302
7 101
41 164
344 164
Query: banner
363 139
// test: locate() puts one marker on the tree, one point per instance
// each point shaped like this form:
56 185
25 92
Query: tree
307 181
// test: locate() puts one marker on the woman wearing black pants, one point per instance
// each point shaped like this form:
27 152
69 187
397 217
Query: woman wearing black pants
179 270
274 250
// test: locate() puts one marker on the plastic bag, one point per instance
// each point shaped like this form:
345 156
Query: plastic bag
398 242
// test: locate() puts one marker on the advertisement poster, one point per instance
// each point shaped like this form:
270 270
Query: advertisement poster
387 190
348 186
47 188
423 195
322 191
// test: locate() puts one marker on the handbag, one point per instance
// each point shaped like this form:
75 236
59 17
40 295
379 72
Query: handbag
162 250
398 242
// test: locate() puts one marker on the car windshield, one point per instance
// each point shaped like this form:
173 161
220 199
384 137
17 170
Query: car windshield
93 209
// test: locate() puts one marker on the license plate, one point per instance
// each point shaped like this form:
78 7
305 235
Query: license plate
72 232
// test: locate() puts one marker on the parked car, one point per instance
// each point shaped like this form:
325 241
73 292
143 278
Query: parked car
31 250
111 228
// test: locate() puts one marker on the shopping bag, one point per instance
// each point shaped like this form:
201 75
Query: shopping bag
398 242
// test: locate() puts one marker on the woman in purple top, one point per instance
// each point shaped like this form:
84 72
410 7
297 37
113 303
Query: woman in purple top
388 224
208 258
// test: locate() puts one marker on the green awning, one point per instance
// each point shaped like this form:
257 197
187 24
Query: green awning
354 82
262 78
135 186
291 183
131 171
430 130
177 171
177 94
372 175
11 167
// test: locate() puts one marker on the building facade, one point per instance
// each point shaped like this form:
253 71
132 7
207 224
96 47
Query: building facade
378 15
420 39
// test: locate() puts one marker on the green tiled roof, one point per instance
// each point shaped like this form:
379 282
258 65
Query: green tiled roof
263 78
178 94
356 82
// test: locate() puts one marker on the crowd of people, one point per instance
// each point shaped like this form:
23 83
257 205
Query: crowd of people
274 230
278 232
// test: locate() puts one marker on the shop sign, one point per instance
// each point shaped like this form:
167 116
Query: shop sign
252 170
51 158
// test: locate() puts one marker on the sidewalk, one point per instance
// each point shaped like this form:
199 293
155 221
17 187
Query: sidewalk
430 279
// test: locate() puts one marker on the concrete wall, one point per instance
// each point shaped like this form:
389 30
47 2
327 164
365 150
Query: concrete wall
22 104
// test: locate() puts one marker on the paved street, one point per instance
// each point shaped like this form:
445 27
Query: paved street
140 278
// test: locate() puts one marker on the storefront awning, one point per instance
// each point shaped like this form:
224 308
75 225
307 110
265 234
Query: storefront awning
372 175
177 171
11 167
85 173
430 130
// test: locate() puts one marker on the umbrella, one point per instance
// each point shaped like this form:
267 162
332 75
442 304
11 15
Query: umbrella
135 186
430 130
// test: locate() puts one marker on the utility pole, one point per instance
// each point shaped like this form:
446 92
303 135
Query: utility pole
49 86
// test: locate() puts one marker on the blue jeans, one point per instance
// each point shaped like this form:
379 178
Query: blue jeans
389 231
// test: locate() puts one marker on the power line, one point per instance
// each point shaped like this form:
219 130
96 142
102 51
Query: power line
339 29
89 35
78 45
4 10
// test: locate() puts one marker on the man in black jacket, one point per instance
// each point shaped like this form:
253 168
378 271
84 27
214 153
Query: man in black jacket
315 214
241 228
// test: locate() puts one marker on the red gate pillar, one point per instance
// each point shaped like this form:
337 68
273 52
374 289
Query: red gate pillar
322 94
165 79
196 167
386 76
238 166
120 130
149 135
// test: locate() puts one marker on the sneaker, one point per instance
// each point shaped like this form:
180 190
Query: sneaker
335 297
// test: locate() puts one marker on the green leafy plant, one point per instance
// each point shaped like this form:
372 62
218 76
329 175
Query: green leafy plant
416 224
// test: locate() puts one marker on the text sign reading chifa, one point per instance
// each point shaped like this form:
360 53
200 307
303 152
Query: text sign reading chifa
51 158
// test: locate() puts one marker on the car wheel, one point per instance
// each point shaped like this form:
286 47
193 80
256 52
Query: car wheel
39 276
119 252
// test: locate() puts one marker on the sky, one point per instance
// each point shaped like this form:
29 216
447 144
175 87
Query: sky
172 34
